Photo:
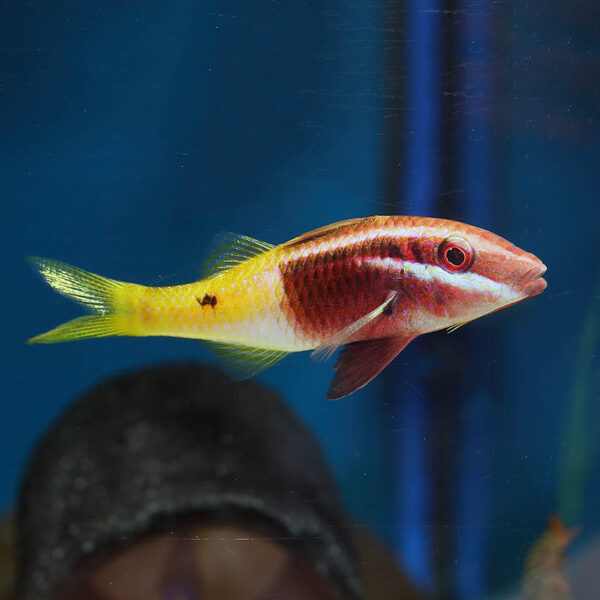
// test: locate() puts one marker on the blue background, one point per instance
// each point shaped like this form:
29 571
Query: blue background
133 132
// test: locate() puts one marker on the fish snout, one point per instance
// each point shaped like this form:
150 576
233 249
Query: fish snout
532 282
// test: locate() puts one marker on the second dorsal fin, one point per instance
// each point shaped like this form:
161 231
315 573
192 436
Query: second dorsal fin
230 250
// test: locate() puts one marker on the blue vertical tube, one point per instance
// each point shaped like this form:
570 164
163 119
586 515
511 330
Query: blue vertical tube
476 179
421 187
421 177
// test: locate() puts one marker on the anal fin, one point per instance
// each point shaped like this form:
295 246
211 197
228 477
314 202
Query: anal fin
359 362
244 362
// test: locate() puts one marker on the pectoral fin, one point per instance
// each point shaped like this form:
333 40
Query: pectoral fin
325 351
360 362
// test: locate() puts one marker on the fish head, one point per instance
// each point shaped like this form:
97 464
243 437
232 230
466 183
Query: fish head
464 272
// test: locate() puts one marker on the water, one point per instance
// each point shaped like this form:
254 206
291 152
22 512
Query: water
132 134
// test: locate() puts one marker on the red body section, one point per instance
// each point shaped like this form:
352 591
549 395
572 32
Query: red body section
335 275
328 291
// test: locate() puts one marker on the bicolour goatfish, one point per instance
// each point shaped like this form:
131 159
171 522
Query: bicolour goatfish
368 286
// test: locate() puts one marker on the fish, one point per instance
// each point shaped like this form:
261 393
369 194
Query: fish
365 286
544 576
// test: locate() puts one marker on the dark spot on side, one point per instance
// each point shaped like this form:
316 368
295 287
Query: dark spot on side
208 300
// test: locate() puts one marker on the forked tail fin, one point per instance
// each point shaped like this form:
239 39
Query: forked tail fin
102 295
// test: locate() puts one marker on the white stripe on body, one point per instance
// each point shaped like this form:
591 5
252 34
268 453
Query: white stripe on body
422 321
316 247
468 281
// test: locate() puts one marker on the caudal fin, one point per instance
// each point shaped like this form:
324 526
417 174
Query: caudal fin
102 295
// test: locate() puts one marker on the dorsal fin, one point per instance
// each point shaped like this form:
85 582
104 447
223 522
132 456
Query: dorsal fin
242 361
321 232
230 250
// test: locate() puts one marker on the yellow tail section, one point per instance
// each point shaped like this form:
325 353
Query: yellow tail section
103 296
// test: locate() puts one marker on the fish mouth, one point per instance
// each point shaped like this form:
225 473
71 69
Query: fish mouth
535 284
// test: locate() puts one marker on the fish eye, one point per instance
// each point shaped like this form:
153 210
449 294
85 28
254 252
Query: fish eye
455 254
